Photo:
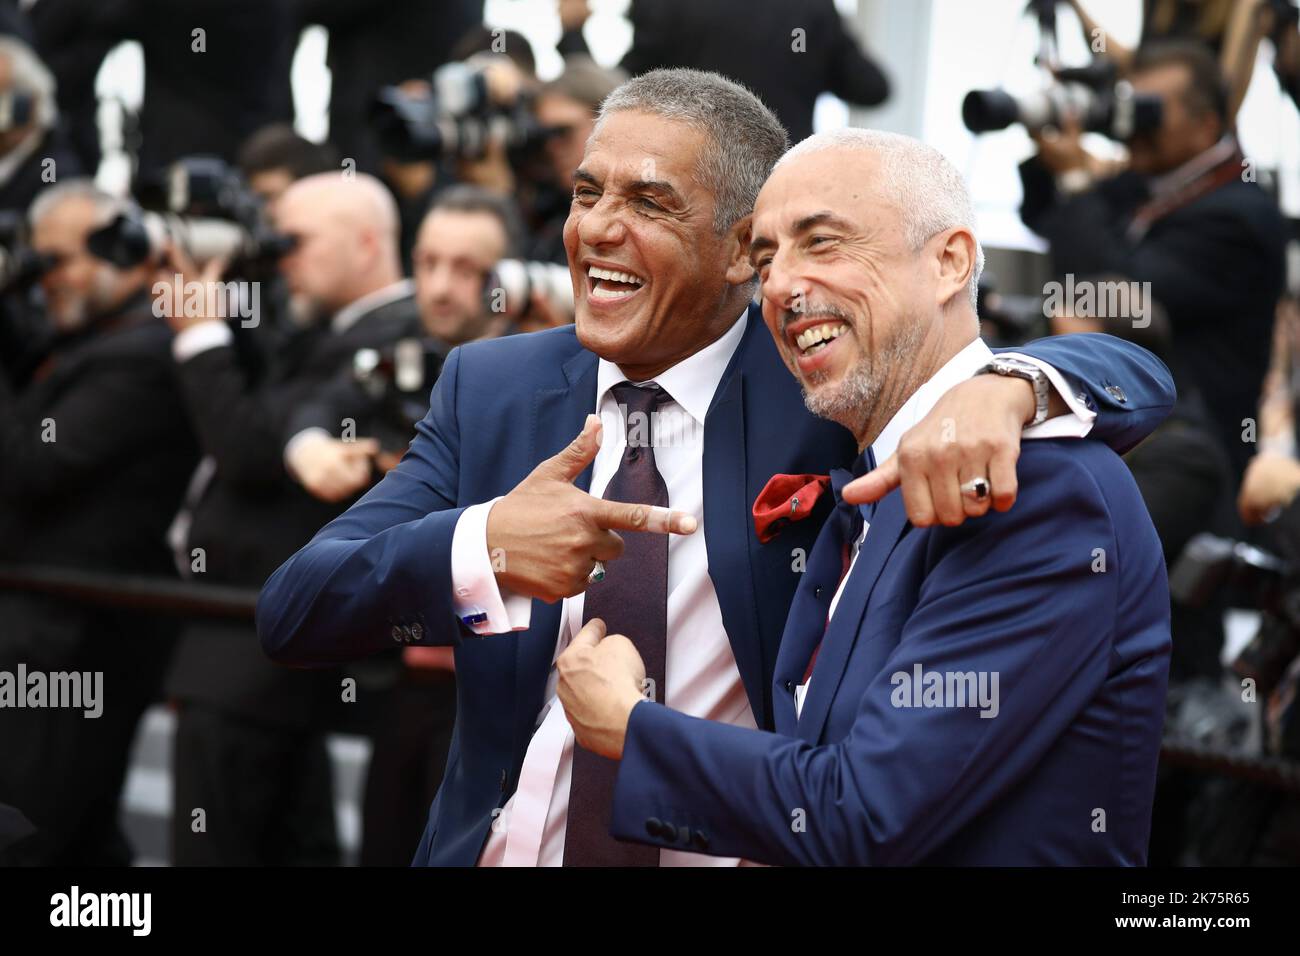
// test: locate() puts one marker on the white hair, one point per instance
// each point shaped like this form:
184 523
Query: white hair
31 75
51 197
928 190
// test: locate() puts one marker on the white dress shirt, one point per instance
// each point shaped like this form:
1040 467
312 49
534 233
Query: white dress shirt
956 370
700 670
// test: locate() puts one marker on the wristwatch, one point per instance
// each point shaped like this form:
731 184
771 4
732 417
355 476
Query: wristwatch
1019 368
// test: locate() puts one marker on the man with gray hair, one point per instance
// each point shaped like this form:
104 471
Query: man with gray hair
97 449
985 695
497 534
32 152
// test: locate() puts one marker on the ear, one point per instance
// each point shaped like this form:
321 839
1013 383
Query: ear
955 256
736 242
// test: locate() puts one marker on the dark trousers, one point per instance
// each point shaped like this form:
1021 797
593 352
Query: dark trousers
62 770
265 793
406 766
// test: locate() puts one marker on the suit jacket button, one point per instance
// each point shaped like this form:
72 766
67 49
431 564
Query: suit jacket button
397 633
417 631
789 687
817 591
684 835
654 827
700 840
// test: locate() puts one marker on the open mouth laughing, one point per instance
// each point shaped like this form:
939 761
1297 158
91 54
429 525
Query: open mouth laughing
607 284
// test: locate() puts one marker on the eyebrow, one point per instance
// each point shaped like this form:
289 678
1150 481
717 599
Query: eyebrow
823 217
657 186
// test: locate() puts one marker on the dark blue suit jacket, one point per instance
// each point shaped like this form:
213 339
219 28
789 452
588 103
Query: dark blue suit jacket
1064 598
381 573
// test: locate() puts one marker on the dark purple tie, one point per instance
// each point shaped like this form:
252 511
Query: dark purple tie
632 600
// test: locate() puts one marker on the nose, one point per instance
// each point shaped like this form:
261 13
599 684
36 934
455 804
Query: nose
439 279
785 284
602 224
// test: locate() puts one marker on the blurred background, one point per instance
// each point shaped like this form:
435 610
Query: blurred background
1135 166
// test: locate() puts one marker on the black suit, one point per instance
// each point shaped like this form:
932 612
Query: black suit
753 42
99 495
1216 264
250 743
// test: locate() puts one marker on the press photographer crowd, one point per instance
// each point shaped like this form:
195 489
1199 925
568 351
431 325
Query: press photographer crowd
262 409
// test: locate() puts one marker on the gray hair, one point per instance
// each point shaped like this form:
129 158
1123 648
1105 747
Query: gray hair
927 189
746 137
106 205
31 75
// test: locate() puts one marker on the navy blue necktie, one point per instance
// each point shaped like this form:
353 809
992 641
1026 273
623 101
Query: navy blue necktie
846 524
632 600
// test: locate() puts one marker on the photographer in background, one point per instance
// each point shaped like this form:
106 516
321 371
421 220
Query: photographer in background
250 738
32 151
275 157
1230 30
1186 216
567 105
96 450
371 45
463 235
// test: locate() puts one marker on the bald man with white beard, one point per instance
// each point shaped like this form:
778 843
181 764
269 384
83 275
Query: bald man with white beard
248 510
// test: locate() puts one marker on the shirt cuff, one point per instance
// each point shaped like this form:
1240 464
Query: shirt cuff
1077 423
200 338
485 608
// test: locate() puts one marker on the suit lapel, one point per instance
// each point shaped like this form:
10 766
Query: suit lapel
727 527
558 414
886 529
805 625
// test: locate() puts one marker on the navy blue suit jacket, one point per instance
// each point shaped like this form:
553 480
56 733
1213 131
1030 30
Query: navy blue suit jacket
1064 598
381 572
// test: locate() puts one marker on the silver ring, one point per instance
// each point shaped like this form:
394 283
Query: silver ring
977 488
597 573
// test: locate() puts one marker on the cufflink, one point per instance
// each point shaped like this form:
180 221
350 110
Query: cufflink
474 617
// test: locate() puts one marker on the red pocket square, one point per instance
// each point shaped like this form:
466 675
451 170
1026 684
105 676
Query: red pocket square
786 498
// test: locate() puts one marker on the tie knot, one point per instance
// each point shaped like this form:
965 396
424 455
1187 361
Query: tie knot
637 405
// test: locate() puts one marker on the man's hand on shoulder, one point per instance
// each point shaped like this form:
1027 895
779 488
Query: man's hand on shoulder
973 431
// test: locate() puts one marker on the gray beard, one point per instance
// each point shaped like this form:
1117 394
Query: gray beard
853 402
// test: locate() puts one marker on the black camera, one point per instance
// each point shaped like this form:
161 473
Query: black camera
1252 578
202 206
511 284
456 119
1101 104
396 381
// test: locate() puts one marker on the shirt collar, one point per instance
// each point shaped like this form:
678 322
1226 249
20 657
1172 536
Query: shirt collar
693 380
1197 166
955 371
347 316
